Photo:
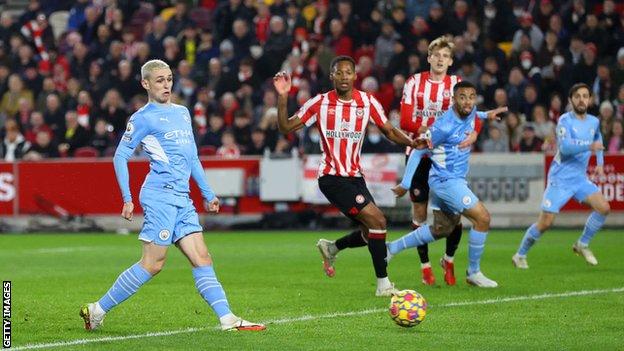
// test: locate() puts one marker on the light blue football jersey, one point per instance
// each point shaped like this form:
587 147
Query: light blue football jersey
574 136
165 131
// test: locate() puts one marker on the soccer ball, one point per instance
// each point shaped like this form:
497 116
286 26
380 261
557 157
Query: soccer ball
408 308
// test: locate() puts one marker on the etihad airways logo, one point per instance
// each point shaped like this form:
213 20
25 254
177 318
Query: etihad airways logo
343 134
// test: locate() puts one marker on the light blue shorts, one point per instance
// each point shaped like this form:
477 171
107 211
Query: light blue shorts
452 196
558 193
168 217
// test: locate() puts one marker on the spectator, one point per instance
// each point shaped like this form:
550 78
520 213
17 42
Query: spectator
258 142
102 139
544 127
536 37
74 136
268 123
495 142
242 39
606 116
242 129
156 35
9 103
615 143
618 103
180 20
339 41
312 142
54 115
384 46
37 124
529 142
213 135
228 149
113 111
277 46
514 130
14 146
42 148
88 28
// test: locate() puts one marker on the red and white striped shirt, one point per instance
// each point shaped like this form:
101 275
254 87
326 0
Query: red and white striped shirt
424 100
342 125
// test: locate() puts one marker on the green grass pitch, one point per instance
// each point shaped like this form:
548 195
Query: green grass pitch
560 303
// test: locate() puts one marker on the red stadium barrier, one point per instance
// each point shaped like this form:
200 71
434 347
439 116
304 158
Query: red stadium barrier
611 185
8 191
90 187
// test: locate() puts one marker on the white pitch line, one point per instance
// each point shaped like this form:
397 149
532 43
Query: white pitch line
316 317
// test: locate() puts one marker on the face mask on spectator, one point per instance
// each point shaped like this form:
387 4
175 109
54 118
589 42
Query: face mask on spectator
558 60
374 138
526 64
187 91
315 137
490 13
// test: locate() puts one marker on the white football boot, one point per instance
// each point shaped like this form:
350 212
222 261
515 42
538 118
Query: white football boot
480 280
385 287
520 261
584 251
93 315
231 322
328 251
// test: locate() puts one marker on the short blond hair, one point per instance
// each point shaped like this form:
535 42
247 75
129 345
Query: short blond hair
441 43
150 66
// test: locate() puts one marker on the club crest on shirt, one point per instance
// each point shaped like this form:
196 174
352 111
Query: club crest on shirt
547 203
359 199
164 234
359 112
561 132
446 94
331 111
466 200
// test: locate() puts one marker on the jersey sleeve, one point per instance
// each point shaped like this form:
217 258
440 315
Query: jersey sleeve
308 113
377 112
198 174
408 123
598 137
136 129
566 144
410 168
438 132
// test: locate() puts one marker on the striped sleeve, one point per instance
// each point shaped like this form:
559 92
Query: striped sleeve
309 111
377 112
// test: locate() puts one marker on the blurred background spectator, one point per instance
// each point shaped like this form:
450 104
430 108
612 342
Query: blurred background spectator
69 71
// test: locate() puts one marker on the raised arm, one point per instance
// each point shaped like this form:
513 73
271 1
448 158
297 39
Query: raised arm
282 84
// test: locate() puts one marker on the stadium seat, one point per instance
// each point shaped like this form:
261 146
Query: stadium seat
58 22
86 151
207 150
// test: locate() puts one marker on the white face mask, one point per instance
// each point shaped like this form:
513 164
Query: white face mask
558 60
187 91
374 138
526 64
490 13
315 137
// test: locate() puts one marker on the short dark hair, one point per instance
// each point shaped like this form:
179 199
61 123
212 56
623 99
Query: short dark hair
463 84
578 86
341 58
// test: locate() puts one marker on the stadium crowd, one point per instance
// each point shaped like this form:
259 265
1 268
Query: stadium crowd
69 70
